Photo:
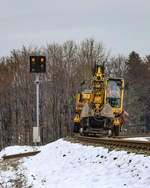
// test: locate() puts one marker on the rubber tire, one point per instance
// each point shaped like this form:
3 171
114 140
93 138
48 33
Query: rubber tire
116 130
76 128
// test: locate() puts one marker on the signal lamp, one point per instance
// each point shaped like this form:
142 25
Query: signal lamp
42 59
33 59
37 64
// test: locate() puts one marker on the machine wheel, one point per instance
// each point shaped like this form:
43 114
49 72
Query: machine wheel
83 125
116 130
81 131
109 132
76 128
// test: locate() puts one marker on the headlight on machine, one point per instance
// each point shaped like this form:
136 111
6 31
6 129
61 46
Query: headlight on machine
118 111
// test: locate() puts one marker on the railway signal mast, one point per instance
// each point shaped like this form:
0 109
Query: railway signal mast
37 65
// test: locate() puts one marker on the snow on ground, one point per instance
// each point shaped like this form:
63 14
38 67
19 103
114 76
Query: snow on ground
138 138
6 176
62 164
10 174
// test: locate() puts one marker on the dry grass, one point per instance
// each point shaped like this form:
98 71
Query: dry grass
12 164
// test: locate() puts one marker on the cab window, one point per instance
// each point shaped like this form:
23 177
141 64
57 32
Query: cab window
114 93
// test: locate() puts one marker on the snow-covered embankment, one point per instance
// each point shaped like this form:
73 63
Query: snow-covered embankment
69 165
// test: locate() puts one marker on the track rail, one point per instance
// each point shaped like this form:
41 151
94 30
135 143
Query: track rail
132 136
20 155
117 142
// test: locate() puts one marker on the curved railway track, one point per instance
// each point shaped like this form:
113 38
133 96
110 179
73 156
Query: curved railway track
117 142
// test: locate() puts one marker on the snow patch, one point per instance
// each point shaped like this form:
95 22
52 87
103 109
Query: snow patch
64 164
138 138
72 165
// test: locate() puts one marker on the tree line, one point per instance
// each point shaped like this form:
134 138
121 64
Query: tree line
67 66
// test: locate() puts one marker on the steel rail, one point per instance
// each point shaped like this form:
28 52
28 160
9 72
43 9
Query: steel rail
117 142
20 155
132 136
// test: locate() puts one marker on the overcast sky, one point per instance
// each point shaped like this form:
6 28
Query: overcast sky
122 25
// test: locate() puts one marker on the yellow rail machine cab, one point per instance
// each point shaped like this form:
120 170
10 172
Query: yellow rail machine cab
114 96
83 97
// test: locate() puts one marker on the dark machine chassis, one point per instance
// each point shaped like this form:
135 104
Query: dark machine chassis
103 126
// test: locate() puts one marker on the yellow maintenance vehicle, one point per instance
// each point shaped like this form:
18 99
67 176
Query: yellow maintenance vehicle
100 109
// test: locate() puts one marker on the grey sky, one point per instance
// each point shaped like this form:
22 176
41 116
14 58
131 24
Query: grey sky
122 25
